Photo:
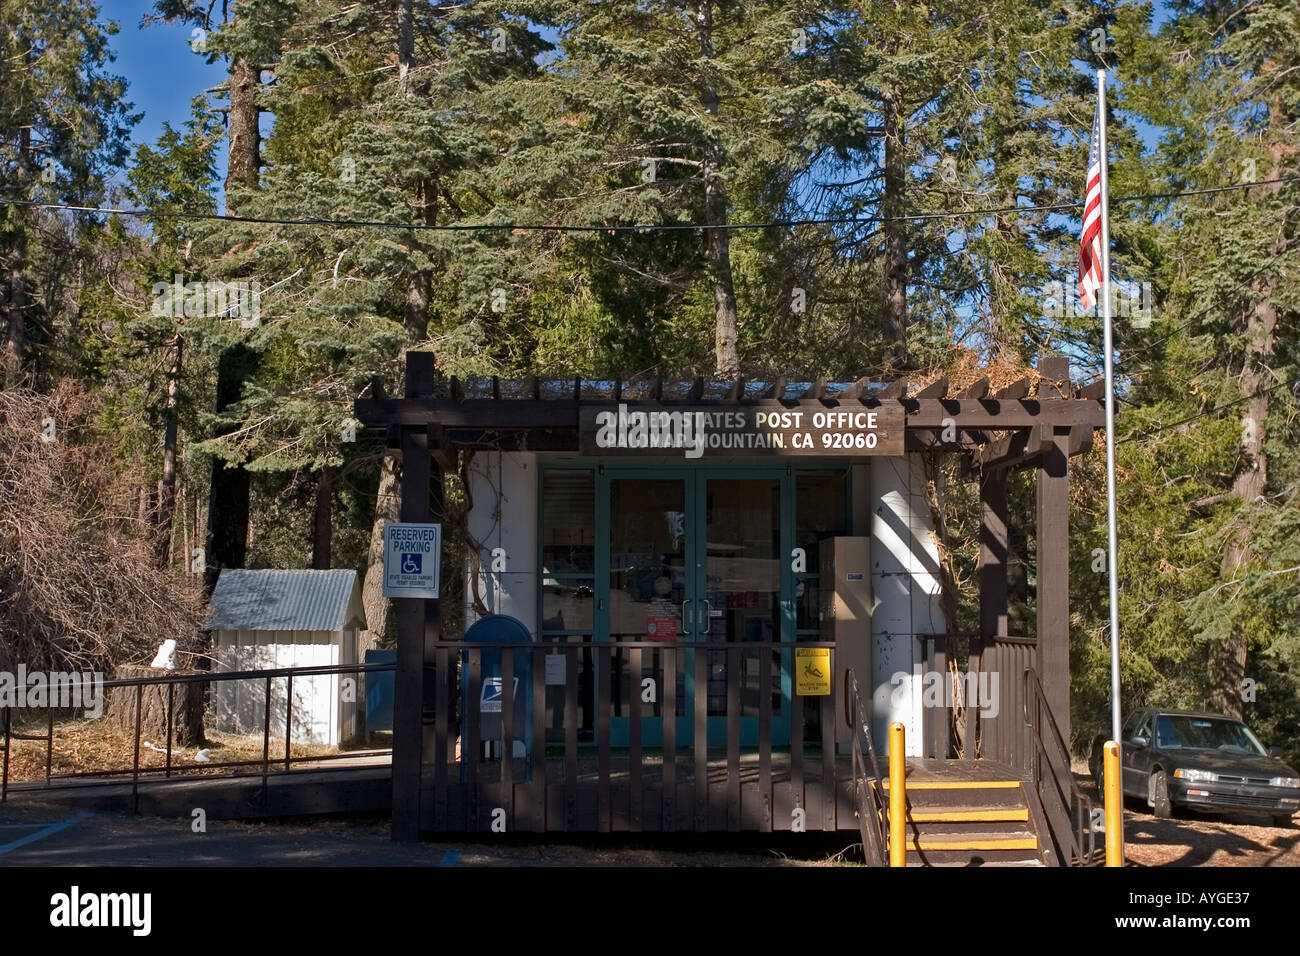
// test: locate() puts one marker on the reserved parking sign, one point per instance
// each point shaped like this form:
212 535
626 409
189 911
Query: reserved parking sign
412 559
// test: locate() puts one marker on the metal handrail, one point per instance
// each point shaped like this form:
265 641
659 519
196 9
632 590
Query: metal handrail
1065 793
868 802
206 677
174 771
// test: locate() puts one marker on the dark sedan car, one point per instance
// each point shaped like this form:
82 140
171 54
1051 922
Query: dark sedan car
1202 762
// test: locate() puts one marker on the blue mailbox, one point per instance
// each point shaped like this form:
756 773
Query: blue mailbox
501 629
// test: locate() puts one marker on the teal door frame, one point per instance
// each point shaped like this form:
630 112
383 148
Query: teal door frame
695 485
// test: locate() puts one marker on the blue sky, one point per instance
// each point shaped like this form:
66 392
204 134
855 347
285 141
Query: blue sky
162 72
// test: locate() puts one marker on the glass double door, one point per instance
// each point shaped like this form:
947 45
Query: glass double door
691 561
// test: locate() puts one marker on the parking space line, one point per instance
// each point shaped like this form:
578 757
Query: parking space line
41 834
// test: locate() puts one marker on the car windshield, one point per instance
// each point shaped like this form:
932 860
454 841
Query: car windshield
1206 733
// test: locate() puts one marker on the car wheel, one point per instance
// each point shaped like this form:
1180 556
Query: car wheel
1098 772
1159 796
1284 821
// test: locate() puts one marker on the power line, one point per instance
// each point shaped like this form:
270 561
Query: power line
1211 411
143 213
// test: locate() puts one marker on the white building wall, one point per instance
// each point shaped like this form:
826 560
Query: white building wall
503 522
905 590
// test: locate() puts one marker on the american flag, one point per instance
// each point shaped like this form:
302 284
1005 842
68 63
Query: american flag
1090 244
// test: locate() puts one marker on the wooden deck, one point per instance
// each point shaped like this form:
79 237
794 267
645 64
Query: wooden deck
648 796
958 814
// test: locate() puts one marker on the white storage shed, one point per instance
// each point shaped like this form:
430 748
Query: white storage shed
262 620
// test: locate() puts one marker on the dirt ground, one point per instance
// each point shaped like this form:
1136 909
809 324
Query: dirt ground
1193 839
1199 840
96 745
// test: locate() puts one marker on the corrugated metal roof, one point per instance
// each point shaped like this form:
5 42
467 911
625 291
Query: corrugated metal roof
280 600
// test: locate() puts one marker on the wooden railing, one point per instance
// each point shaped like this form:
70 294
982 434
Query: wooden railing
868 784
1055 795
994 723
1004 735
936 722
673 767
93 773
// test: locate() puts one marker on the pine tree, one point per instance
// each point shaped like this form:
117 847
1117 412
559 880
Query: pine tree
64 125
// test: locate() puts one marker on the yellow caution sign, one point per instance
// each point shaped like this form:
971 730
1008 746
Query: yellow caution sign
812 671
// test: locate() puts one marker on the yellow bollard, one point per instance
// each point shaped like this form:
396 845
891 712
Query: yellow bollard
897 797
1114 806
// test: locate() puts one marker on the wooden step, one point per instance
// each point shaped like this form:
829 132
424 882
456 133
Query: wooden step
966 819
1017 840
1000 863
970 815
974 848
958 785
955 794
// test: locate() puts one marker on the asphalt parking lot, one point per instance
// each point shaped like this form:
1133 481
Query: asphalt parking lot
62 838
56 837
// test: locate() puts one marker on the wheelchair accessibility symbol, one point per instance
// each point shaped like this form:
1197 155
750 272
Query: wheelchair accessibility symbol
411 563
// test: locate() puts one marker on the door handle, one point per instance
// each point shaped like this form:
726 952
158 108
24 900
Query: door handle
685 628
708 617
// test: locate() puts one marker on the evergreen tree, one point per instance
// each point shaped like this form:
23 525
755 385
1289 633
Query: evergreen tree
64 124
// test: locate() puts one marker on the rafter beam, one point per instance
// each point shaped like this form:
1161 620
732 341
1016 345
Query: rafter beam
1016 390
1018 448
855 391
936 389
895 389
1025 447
1093 391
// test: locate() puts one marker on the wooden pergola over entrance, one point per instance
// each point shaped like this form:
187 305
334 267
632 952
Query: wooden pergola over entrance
1030 424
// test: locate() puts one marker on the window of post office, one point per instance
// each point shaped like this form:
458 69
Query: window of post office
568 550
821 512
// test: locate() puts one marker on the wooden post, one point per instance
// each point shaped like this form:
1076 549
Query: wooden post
414 632
432 615
993 591
1053 514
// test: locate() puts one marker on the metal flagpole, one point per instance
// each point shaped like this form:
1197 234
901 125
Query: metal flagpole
1112 555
